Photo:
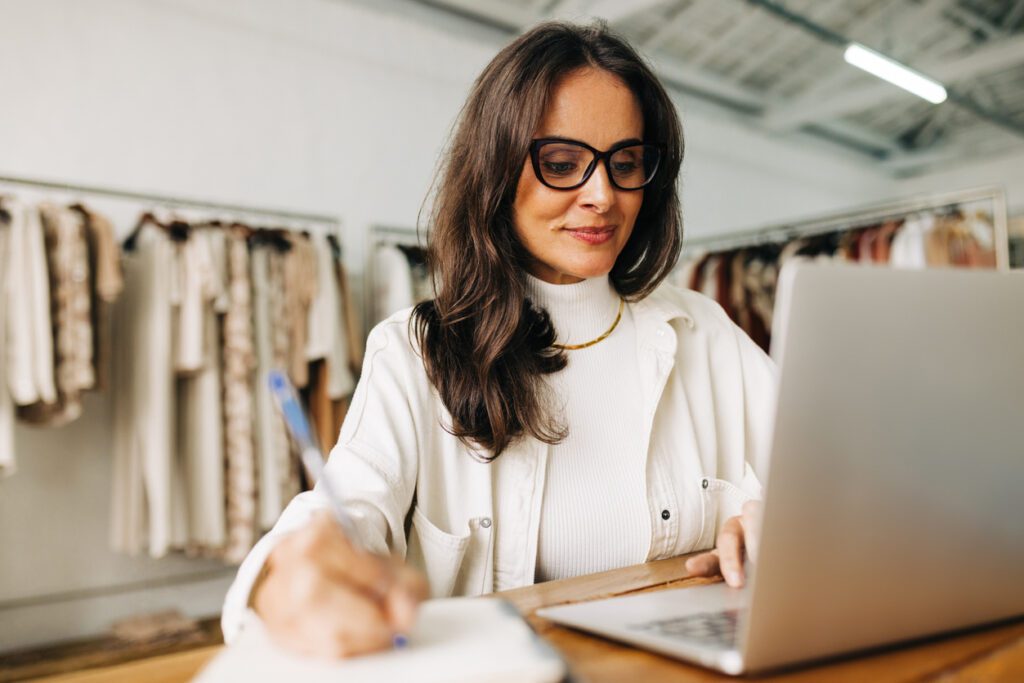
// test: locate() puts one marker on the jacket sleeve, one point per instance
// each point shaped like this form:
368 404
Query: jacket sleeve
373 466
760 386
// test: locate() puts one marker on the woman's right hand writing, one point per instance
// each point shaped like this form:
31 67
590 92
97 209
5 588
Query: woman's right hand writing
323 596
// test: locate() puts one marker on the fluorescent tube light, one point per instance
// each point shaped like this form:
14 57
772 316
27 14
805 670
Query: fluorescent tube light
890 70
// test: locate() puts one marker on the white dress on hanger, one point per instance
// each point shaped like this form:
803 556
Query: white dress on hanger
30 368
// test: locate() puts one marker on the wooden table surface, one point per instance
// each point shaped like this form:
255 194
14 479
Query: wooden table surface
992 654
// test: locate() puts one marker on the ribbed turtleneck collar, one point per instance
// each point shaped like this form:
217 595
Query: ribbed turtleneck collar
581 311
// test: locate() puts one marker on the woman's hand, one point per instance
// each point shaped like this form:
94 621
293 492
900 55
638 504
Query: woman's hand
737 538
324 597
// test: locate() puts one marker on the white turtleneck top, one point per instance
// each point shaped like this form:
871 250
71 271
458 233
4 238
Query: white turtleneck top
594 512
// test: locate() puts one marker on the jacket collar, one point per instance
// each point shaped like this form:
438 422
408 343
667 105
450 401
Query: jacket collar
663 305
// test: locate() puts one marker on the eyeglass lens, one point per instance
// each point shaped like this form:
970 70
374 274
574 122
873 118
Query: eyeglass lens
563 164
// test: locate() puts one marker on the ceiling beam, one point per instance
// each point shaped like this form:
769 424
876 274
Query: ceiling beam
752 17
667 30
995 57
688 80
888 24
817 12
618 11
1014 17
494 12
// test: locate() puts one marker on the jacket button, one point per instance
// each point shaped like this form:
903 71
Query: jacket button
704 483
665 514
486 522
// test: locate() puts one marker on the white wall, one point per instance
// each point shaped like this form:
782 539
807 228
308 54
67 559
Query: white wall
1006 172
313 105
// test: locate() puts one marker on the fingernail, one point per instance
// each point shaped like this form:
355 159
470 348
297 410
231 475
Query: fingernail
735 579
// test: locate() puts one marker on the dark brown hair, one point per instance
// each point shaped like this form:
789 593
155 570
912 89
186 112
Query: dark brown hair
484 345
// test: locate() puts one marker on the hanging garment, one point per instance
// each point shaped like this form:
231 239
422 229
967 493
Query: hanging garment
106 284
8 463
353 326
67 255
239 366
147 470
709 277
908 246
759 280
392 286
202 262
321 407
300 290
422 287
866 245
30 371
683 274
883 241
982 252
278 481
328 338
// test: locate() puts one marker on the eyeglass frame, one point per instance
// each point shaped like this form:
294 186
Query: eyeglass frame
599 156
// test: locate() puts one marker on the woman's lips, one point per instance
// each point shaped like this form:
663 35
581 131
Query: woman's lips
598 235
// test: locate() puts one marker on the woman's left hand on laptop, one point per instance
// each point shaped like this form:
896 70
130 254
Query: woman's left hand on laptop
736 541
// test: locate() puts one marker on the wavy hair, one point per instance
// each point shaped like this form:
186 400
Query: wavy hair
485 346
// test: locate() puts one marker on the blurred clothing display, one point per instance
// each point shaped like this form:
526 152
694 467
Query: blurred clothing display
182 324
54 337
742 279
237 302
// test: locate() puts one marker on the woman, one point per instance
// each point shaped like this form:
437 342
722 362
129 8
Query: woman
554 411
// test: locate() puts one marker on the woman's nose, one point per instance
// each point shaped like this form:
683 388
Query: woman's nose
597 193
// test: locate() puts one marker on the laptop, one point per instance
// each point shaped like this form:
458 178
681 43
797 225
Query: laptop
893 501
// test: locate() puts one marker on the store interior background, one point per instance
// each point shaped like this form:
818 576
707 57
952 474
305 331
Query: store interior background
341 107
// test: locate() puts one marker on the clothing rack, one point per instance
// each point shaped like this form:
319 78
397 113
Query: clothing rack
172 201
390 234
865 216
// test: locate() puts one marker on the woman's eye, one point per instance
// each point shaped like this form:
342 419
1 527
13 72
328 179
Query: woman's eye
625 168
559 167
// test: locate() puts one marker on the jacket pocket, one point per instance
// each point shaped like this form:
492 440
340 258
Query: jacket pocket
720 500
454 565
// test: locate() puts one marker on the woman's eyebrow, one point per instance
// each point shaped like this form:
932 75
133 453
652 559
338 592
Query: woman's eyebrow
562 138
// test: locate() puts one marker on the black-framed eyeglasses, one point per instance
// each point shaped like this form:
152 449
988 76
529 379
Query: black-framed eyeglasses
564 164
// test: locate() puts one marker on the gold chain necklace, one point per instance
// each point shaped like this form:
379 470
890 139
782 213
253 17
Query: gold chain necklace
577 347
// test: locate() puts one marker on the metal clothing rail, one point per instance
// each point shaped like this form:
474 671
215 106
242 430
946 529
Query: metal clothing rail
865 216
394 231
170 200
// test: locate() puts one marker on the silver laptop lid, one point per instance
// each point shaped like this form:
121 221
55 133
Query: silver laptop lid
893 500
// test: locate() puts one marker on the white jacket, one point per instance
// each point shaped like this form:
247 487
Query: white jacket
413 489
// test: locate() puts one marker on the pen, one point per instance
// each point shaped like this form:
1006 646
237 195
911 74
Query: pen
312 457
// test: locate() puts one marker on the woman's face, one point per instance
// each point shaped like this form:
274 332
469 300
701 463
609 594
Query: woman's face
577 234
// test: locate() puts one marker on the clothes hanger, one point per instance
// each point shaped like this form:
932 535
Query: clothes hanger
177 229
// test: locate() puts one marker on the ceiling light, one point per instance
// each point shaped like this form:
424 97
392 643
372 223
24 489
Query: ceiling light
890 70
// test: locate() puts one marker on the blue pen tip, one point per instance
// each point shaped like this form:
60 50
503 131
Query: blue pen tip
276 380
399 641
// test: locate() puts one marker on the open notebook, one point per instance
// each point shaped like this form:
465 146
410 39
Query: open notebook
456 640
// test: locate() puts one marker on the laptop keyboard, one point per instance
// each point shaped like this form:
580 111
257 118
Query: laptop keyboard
708 628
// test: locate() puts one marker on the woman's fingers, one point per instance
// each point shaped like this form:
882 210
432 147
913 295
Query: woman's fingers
345 622
730 552
324 596
705 564
408 591
751 521
328 545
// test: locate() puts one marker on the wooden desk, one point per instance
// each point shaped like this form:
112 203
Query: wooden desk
994 654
